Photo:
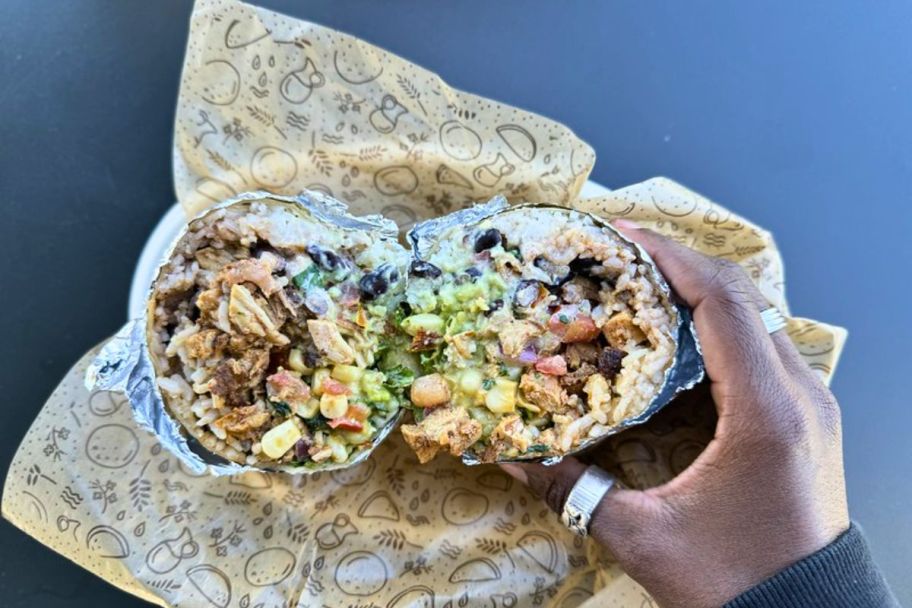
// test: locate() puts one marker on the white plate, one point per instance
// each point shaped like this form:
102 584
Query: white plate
170 225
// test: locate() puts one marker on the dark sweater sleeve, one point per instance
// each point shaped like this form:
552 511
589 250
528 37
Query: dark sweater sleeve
841 575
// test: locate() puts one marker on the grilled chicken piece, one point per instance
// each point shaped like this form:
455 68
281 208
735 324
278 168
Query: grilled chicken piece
543 390
252 270
621 332
516 335
233 377
287 387
330 342
575 380
243 420
506 435
248 316
206 344
579 353
449 428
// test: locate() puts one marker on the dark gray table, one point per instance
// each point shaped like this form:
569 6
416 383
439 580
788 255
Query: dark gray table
797 115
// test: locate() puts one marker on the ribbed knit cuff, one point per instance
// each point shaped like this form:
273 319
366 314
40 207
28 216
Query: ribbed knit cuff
841 575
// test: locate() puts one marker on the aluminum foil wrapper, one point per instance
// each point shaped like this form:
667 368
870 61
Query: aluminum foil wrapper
124 364
686 369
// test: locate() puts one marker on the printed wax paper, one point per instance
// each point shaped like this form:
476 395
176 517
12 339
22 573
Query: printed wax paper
271 102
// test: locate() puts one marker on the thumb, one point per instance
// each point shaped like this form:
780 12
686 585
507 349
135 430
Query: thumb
620 517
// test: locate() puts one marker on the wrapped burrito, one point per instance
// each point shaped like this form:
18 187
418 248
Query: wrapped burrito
264 328
538 330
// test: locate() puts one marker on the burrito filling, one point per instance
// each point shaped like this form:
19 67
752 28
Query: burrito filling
265 330
535 330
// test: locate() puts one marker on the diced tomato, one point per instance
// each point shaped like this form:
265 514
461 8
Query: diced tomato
571 326
346 424
561 318
582 329
358 411
553 366
334 387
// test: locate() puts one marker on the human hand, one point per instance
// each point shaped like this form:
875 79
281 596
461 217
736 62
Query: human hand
768 490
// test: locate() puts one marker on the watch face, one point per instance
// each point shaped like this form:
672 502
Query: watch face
577 522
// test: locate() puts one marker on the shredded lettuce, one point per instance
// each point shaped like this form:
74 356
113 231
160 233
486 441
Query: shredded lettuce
317 423
281 408
399 377
311 277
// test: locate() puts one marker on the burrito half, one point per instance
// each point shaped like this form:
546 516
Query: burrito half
537 330
264 327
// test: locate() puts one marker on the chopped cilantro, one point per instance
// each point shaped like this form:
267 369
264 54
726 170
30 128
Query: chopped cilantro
281 408
516 253
400 313
317 423
377 421
311 277
383 346
538 448
430 359
399 377
487 384
502 368
564 319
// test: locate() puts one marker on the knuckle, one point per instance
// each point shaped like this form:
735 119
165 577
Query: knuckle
802 419
828 411
728 281
779 422
556 492
794 430
831 417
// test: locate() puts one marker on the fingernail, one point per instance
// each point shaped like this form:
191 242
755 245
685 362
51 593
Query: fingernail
625 224
516 472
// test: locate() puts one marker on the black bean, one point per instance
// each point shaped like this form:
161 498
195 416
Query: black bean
581 265
311 356
420 268
495 305
262 247
526 293
488 239
377 283
609 361
473 272
325 259
194 313
373 285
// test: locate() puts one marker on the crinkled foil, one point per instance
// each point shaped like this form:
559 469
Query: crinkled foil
124 364
686 369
